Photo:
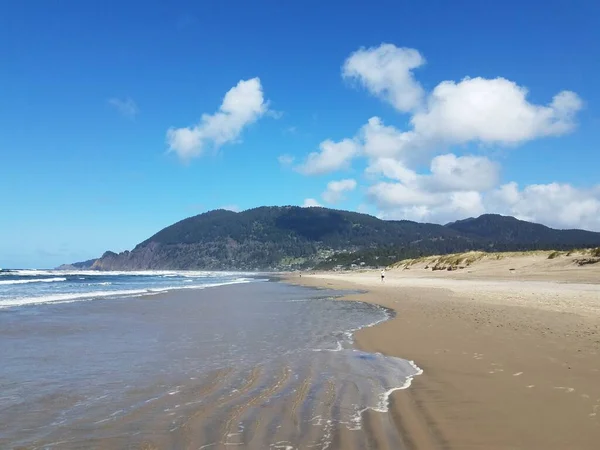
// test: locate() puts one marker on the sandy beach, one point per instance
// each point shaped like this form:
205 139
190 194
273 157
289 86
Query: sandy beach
509 350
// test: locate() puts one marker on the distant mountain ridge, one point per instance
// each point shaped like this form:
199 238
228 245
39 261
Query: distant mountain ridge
509 230
282 238
78 265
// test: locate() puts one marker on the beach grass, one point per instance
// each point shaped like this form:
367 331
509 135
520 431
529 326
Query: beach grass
455 261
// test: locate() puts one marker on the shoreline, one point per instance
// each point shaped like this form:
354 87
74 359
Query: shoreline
262 393
499 372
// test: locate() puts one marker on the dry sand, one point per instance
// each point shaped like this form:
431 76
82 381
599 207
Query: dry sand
510 357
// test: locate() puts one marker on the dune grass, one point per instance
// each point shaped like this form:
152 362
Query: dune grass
456 261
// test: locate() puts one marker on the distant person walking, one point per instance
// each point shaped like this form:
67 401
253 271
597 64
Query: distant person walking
382 275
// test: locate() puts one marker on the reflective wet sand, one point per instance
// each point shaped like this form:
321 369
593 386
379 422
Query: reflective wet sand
262 365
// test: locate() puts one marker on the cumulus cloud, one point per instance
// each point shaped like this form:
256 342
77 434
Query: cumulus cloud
388 195
487 112
453 173
336 189
392 169
331 157
474 110
398 201
557 204
310 202
386 71
381 141
491 111
447 173
126 106
430 196
451 189
242 105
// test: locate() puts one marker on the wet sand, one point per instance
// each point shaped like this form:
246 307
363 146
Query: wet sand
508 364
252 366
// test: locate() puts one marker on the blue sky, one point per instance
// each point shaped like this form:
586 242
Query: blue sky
375 91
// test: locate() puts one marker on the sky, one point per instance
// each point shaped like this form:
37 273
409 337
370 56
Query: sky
118 118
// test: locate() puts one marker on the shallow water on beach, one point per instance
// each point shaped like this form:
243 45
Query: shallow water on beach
257 365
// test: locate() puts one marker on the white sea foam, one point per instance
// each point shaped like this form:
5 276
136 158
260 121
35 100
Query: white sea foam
383 403
349 335
91 273
62 298
84 296
37 280
384 399
339 347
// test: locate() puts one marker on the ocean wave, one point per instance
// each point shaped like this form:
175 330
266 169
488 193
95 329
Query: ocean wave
92 273
37 280
92 295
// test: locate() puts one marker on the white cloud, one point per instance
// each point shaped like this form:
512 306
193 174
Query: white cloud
332 156
485 111
392 169
447 173
452 173
463 204
488 112
394 195
493 111
380 141
234 208
286 160
310 202
506 195
386 71
452 189
555 204
126 107
242 105
336 189
474 110
397 201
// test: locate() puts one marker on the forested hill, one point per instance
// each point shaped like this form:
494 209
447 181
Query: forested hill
506 230
279 238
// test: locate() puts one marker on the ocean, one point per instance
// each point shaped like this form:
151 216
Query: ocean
30 287
187 360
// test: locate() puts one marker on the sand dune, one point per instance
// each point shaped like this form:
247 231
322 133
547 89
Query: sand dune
575 266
